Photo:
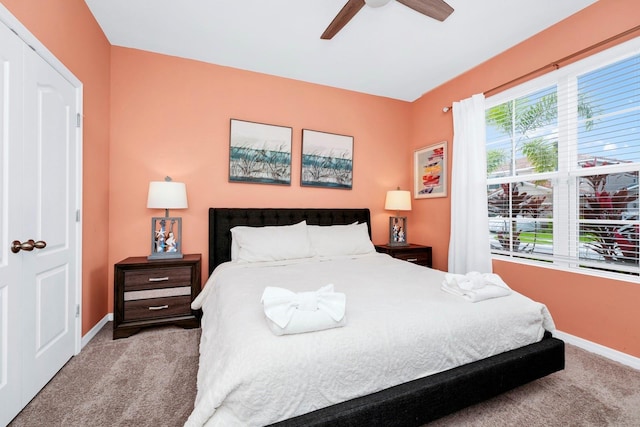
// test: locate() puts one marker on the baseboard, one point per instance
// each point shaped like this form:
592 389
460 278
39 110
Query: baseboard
609 353
92 333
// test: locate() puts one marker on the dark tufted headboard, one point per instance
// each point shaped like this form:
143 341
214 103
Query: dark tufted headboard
222 220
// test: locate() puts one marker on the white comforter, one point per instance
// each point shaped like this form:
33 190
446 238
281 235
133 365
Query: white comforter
400 326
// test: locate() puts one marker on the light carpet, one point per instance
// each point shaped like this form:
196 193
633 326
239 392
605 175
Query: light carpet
149 379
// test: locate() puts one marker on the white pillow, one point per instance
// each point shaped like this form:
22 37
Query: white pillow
271 243
337 240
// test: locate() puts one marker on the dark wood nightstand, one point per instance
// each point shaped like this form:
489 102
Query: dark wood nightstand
155 292
416 254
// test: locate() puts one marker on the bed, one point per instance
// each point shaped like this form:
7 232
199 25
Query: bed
413 400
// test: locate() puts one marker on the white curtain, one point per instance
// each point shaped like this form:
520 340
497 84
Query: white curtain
469 240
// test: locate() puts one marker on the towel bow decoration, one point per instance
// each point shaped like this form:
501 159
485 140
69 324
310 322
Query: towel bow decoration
281 304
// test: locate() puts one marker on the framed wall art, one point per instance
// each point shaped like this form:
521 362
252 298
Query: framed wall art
430 171
327 160
259 153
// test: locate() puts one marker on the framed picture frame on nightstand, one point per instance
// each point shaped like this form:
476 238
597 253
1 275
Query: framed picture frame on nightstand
166 238
398 231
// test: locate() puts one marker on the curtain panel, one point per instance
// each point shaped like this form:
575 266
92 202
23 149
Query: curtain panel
469 240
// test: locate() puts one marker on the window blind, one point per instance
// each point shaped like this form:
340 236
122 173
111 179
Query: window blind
563 160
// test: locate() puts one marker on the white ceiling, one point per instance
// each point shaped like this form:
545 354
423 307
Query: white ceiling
390 51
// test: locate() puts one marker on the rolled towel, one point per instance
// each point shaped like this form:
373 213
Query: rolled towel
475 286
289 312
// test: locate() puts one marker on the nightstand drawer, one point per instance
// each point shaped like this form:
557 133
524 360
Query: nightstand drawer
157 308
417 254
157 293
417 258
157 278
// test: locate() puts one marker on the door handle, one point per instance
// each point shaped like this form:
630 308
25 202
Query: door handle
28 246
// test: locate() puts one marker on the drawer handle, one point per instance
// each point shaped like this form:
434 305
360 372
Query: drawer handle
412 259
158 307
158 279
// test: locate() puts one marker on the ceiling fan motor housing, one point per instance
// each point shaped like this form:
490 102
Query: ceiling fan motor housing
436 9
376 3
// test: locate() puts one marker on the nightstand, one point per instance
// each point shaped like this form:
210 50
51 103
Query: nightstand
416 254
154 293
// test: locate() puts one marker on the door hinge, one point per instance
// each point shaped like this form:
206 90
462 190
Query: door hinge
77 310
78 120
77 215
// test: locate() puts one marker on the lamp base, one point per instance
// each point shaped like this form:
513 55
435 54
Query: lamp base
398 231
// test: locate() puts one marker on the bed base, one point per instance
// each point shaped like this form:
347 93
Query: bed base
420 401
416 402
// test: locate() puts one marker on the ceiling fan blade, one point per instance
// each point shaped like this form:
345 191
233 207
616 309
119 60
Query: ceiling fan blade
342 18
436 9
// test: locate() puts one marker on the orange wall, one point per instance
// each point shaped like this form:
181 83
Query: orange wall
69 31
170 116
598 310
148 115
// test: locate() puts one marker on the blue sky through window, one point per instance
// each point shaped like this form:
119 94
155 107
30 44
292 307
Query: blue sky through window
614 91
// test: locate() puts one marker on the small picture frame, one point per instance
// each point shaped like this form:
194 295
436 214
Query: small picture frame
430 171
398 231
166 238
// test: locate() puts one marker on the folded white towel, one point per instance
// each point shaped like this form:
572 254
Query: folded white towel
288 312
474 280
475 286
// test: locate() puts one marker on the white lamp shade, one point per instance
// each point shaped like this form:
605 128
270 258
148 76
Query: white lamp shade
167 195
398 200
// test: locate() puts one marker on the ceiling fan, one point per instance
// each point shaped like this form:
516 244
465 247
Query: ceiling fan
436 9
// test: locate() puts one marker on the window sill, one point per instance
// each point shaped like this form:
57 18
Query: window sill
581 271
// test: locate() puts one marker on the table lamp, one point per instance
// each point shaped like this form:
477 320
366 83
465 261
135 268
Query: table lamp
398 200
166 231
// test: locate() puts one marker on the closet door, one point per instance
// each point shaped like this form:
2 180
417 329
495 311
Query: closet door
10 265
38 200
48 215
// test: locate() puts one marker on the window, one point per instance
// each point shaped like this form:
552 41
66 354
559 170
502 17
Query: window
563 159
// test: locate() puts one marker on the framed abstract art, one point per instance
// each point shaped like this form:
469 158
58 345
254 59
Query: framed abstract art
430 171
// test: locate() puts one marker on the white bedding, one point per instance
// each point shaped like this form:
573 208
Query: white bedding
400 326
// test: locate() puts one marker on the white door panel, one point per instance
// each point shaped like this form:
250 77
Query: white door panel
55 128
48 339
39 169
10 266
52 309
